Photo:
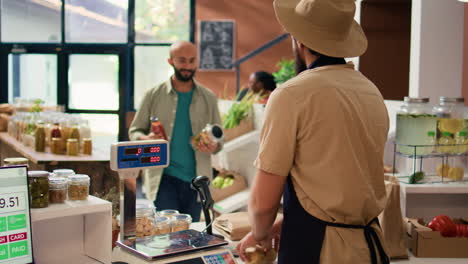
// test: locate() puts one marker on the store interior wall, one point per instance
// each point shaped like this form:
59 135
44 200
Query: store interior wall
255 24
387 24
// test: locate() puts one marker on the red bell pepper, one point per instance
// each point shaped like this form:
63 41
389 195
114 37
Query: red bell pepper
444 225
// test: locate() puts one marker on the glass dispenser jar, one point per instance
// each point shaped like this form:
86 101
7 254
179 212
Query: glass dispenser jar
450 116
414 120
145 220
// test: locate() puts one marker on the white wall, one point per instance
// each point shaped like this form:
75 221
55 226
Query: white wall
436 49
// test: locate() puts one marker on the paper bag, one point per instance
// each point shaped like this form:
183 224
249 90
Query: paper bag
234 226
246 125
392 222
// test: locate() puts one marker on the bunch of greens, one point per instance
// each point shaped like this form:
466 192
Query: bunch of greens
286 71
37 106
238 111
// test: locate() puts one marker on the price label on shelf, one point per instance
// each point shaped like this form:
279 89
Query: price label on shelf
15 224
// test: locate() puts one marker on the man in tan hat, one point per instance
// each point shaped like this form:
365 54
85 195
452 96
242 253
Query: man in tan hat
321 146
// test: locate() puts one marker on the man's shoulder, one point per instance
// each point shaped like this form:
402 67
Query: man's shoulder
157 88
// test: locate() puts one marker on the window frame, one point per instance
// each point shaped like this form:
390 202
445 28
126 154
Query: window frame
63 49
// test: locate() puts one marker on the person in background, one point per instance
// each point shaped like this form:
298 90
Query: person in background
184 108
321 146
261 84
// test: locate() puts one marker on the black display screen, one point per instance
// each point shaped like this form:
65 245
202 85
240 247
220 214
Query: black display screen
132 151
152 159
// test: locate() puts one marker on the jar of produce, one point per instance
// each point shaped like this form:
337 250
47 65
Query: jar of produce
38 182
180 222
15 161
157 128
56 131
72 147
57 189
210 135
78 187
87 146
40 137
56 145
145 221
63 173
163 225
414 120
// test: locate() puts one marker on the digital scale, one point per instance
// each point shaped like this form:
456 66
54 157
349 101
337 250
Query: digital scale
183 247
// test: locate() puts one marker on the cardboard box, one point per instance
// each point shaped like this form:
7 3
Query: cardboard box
425 243
239 184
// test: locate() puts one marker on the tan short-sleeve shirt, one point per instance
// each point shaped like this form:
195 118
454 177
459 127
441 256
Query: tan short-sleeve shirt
327 128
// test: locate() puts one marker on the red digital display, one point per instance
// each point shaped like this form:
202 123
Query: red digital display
152 149
132 151
152 159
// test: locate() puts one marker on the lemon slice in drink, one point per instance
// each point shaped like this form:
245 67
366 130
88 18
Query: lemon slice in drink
450 125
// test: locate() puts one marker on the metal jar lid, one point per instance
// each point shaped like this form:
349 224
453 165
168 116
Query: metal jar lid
420 100
78 178
445 99
15 161
38 174
63 172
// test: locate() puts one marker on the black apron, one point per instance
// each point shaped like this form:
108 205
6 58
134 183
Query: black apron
302 234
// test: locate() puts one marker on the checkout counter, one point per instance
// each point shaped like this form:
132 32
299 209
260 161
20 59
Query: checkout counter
182 247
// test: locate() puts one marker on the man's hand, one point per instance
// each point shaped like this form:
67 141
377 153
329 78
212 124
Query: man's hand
206 148
152 136
265 245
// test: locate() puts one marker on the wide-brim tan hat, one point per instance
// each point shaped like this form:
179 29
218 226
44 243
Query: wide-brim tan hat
325 26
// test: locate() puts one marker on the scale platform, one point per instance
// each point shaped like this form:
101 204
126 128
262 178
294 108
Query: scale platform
173 244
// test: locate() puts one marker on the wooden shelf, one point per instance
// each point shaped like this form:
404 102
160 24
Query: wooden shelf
45 157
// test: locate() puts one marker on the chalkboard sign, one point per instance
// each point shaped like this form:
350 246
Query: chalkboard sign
216 45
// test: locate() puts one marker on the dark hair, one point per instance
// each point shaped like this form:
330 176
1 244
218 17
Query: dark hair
266 79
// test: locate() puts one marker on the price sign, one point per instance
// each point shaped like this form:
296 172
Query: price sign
15 224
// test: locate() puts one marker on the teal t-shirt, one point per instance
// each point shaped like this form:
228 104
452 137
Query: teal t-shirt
182 156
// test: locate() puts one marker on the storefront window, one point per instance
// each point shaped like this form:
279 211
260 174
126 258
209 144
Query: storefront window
32 76
96 21
159 21
93 82
151 69
30 21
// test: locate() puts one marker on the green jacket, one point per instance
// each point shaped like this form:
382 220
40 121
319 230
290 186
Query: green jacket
161 101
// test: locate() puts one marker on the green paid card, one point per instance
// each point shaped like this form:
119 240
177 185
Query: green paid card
16 221
18 249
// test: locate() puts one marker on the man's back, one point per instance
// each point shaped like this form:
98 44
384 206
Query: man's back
342 121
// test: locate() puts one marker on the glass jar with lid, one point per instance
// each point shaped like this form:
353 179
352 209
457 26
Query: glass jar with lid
63 173
38 182
163 225
414 120
57 189
180 222
145 220
78 187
